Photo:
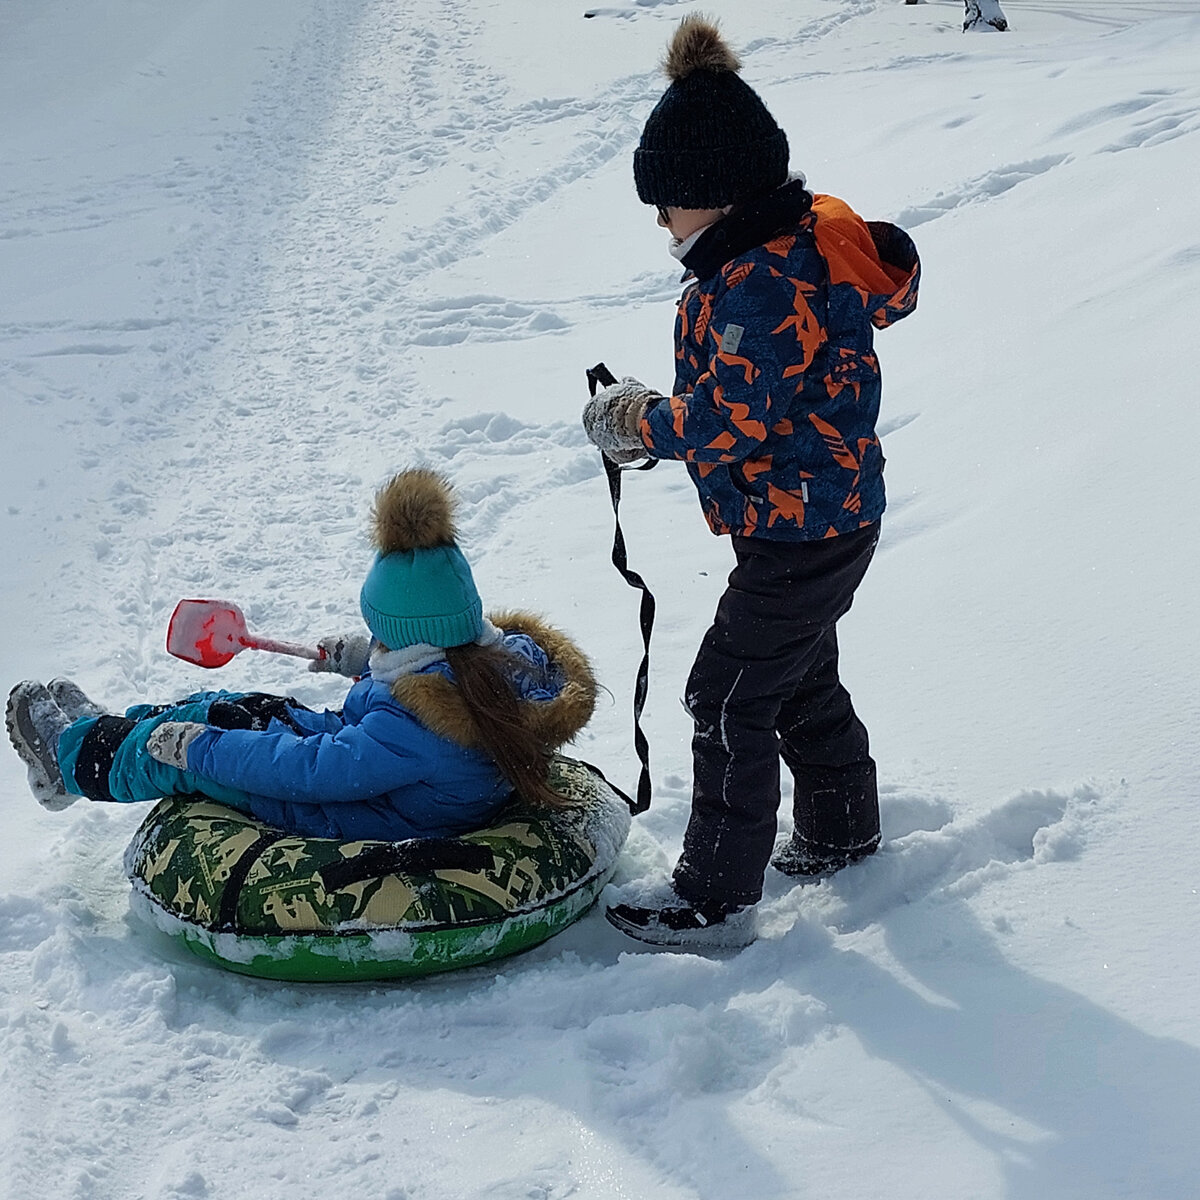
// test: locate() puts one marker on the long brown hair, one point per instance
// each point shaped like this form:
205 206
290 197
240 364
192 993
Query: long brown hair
482 675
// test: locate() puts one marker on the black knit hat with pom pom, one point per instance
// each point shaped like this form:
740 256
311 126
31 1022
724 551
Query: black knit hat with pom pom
710 140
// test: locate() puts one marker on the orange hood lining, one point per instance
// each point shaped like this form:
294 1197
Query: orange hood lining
846 244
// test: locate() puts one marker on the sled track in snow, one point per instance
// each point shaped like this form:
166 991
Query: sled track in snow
273 359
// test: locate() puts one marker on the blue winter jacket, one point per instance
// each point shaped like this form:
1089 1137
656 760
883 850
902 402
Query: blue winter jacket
396 762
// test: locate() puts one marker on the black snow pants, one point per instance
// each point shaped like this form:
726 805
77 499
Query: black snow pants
764 686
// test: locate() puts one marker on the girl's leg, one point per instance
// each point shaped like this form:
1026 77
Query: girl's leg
86 752
105 758
254 710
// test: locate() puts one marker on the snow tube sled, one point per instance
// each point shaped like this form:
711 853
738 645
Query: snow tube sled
254 899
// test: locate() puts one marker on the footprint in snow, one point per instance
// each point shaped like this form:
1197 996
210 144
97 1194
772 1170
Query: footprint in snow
926 853
983 187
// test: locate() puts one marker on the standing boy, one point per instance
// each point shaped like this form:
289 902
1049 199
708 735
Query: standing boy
774 408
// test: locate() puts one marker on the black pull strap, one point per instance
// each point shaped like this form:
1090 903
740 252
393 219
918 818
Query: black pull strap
417 856
601 376
227 921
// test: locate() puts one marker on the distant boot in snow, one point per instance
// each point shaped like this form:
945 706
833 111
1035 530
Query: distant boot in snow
984 14
73 700
35 723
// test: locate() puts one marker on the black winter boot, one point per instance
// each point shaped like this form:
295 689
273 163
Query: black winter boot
660 916
803 861
837 819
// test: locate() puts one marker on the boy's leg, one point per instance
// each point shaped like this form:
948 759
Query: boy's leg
733 696
771 627
826 748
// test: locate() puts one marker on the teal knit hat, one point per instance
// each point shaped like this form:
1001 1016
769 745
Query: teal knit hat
419 589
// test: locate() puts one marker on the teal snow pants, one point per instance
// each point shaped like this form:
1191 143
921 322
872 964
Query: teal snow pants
105 758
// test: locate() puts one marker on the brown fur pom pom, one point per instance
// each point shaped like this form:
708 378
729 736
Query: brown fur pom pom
698 46
414 511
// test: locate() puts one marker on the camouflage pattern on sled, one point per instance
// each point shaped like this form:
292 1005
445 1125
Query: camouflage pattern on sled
263 902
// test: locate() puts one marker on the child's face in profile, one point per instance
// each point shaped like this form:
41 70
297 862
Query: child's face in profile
683 222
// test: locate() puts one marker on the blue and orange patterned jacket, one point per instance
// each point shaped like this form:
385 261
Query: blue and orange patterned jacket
777 385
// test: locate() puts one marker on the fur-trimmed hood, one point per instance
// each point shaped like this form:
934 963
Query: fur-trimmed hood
434 700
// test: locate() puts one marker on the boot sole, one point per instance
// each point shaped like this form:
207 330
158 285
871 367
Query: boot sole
47 787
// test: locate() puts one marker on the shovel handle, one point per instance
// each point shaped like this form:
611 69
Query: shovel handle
276 647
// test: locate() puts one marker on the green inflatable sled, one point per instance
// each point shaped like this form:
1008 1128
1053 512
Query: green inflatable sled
253 899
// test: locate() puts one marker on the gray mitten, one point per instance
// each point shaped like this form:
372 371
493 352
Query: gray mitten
611 418
169 742
345 654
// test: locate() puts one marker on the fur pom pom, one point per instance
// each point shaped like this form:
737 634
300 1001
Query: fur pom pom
414 511
698 46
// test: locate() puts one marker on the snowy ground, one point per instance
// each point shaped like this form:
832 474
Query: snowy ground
255 257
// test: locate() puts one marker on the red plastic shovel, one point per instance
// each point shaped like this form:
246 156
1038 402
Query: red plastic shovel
210 632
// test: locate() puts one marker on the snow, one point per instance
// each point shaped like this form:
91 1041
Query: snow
255 257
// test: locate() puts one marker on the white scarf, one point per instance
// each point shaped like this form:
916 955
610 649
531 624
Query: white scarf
389 665
678 249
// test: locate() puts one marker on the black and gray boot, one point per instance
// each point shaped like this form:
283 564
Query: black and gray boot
73 700
35 723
